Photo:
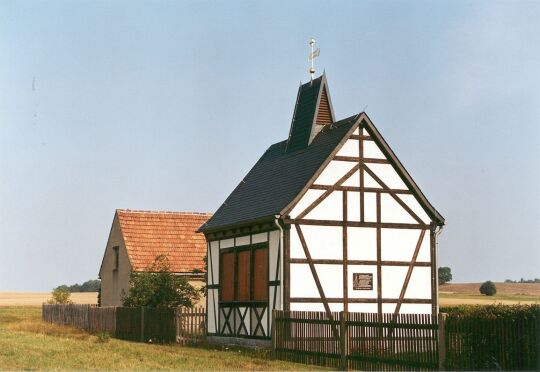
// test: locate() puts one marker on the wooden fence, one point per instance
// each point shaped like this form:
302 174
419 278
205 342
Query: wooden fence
498 343
162 325
360 341
72 315
190 324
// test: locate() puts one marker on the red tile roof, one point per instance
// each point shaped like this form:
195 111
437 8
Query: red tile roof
150 234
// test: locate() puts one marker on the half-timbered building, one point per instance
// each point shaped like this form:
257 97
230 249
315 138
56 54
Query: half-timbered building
327 220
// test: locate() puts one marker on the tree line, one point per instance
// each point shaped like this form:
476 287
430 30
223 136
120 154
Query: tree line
88 286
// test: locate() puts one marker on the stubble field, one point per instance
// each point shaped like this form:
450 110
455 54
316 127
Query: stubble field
507 293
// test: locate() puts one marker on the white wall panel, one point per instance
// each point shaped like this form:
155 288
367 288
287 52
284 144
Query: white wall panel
424 254
420 283
295 246
309 197
370 207
412 203
306 306
324 242
388 308
353 180
302 282
331 208
357 131
363 308
333 172
393 278
362 269
259 238
214 248
211 316
388 175
271 290
350 148
365 132
331 278
371 150
398 244
391 211
415 309
361 243
335 307
370 182
273 249
226 243
242 240
353 206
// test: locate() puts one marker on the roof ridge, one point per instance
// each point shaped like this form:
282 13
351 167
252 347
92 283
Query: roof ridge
183 213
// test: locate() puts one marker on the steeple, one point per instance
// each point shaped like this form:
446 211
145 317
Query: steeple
313 110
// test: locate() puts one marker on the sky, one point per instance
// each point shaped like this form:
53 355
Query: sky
165 105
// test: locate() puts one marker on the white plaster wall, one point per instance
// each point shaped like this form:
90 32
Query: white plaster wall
273 250
412 203
331 208
350 148
242 240
415 309
388 308
388 175
398 244
353 206
307 199
424 255
370 207
353 180
370 182
226 243
363 308
212 301
371 150
302 282
295 246
333 172
214 263
361 243
391 211
420 283
392 278
331 278
323 242
306 306
260 238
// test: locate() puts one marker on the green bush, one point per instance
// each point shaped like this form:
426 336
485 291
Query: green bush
60 295
488 288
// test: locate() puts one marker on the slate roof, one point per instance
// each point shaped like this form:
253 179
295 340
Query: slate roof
277 178
148 234
304 114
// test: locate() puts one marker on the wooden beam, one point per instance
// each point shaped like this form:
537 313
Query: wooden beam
361 137
365 160
359 189
379 259
382 225
396 198
338 300
328 192
317 261
345 254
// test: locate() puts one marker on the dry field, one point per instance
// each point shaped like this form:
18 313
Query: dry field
507 293
37 298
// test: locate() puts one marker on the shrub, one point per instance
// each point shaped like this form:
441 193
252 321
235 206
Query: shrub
60 295
159 287
488 288
103 337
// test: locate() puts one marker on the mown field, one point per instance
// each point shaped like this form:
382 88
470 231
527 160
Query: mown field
27 343
507 293
37 298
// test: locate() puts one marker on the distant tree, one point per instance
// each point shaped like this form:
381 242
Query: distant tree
159 287
88 286
60 296
445 275
488 288
509 281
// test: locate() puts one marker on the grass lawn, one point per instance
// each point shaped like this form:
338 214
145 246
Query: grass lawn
28 343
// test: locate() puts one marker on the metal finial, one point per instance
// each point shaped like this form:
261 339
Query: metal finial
314 54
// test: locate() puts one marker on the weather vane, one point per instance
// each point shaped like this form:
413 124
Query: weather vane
314 54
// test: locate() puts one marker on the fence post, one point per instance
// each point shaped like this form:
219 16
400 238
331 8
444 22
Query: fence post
442 340
142 323
344 338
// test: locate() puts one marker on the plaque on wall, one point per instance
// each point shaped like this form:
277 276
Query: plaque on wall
362 281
